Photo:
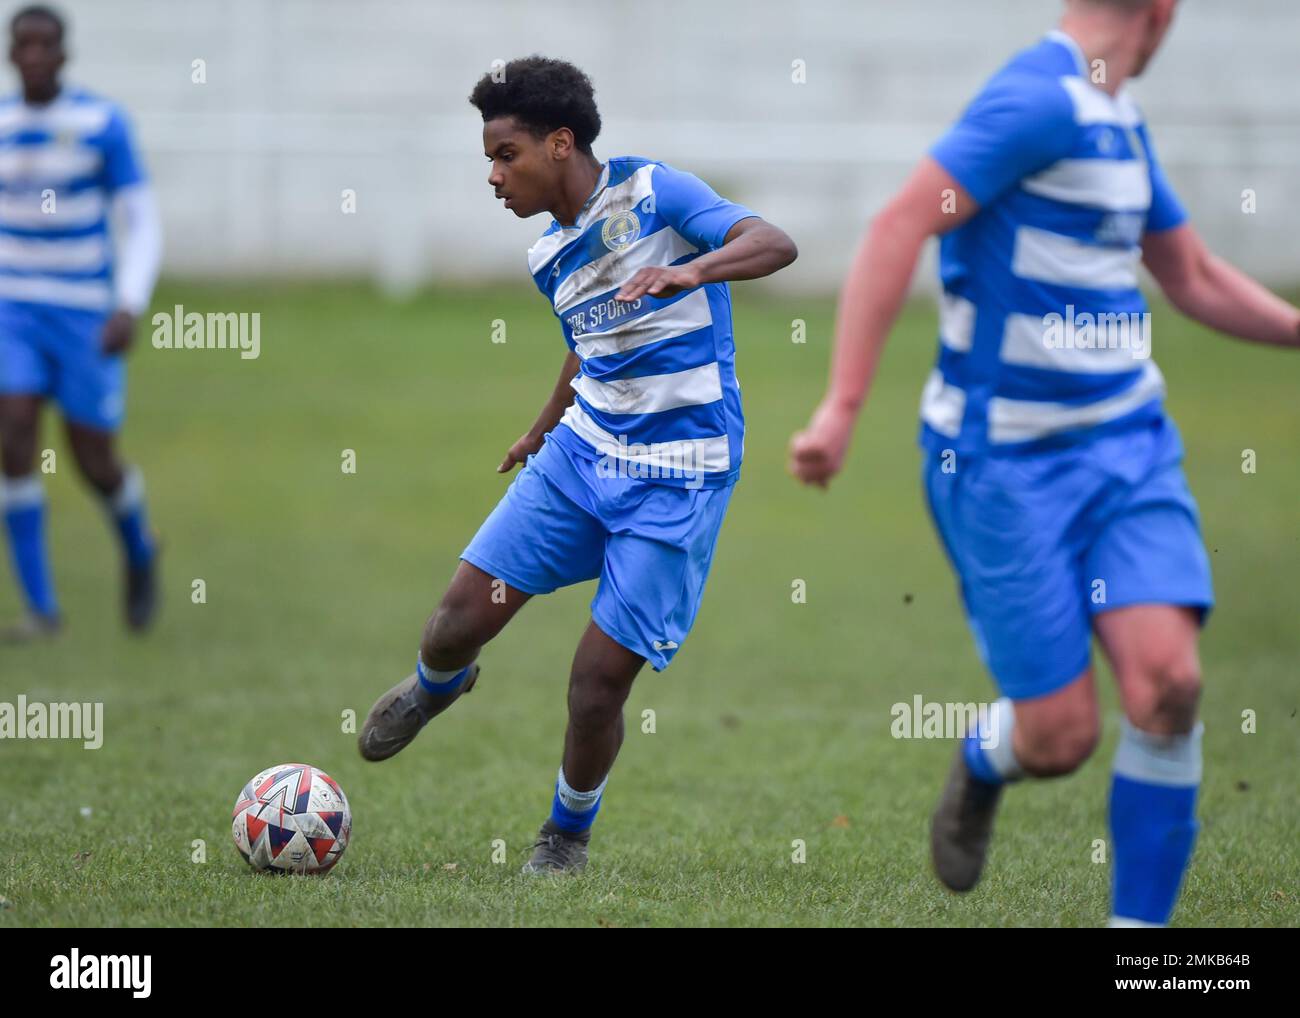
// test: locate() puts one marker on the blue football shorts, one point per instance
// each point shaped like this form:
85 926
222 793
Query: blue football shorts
561 522
55 352
1042 542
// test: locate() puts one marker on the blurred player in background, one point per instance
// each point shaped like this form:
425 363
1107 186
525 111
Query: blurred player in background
1052 471
630 466
67 308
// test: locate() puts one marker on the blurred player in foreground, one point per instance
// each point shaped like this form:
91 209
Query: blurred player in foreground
67 310
630 466
1052 472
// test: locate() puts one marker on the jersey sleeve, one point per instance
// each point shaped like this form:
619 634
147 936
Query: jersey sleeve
1167 212
694 209
1019 124
122 164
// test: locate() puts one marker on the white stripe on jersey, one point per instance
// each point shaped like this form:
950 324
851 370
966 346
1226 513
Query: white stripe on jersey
633 190
1024 342
1093 106
60 117
88 295
48 164
1064 261
660 248
686 315
707 455
1018 420
649 394
942 405
26 210
1114 185
956 321
70 254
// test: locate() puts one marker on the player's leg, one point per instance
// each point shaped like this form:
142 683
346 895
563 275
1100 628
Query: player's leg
599 684
1152 650
22 496
90 388
1010 531
120 488
475 608
657 559
535 540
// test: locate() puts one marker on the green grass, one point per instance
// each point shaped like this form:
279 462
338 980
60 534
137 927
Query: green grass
772 725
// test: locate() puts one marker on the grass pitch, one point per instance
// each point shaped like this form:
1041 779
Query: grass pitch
771 728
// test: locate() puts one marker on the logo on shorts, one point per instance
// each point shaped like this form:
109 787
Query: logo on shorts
620 230
665 645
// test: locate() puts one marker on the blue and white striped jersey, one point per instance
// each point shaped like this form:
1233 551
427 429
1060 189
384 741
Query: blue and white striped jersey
60 165
1044 335
657 396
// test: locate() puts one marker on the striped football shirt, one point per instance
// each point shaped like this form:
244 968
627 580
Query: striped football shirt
656 395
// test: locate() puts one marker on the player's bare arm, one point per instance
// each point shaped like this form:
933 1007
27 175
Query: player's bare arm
930 203
561 398
753 248
1206 288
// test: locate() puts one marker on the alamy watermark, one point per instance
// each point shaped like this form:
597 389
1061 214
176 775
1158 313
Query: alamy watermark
179 329
1084 330
23 720
676 460
945 720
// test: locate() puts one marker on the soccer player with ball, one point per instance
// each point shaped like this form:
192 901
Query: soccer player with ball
1052 471
628 469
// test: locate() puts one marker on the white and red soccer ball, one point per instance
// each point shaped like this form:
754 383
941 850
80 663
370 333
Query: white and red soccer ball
293 818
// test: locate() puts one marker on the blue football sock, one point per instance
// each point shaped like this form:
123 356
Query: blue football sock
440 683
988 753
127 508
575 811
1152 821
23 499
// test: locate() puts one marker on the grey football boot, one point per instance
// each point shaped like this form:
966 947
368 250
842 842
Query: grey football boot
962 825
398 715
556 851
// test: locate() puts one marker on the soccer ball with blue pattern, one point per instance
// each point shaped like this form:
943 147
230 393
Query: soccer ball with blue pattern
292 818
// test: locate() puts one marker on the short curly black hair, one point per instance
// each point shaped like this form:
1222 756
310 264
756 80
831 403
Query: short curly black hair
543 95
39 11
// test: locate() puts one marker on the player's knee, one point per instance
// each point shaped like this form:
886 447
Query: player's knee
18 444
1061 749
1169 689
596 699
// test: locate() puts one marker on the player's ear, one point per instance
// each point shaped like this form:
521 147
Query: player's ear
560 143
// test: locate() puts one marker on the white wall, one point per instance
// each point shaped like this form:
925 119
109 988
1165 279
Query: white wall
307 97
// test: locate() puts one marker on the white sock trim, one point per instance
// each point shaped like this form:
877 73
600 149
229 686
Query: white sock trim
21 492
1118 922
997 747
130 493
577 801
1173 760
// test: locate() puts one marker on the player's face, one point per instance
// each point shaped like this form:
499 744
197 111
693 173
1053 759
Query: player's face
37 51
523 172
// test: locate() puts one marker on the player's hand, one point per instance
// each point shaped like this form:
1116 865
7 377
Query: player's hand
659 282
520 451
817 453
118 333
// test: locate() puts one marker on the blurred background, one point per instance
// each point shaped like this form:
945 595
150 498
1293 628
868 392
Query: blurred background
304 98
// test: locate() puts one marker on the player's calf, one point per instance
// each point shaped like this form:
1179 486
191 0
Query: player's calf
475 608
1046 736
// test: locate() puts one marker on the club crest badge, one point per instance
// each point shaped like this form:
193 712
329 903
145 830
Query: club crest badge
620 230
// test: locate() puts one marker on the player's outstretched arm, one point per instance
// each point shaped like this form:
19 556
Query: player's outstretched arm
931 202
531 440
752 249
1208 289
